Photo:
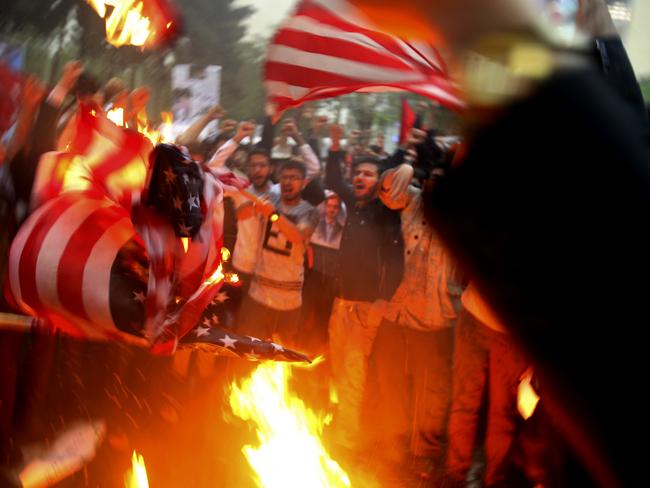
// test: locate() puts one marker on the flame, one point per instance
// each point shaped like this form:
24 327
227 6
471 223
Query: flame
291 453
136 477
164 134
225 254
216 277
232 279
116 115
186 243
527 398
125 25
166 128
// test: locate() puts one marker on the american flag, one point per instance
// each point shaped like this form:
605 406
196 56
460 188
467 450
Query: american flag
326 48
97 266
99 155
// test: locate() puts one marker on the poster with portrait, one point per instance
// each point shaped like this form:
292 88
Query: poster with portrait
195 89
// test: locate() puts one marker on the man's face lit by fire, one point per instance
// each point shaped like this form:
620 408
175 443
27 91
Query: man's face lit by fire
259 170
291 183
364 181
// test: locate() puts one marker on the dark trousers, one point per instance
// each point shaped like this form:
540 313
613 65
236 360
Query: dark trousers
260 321
317 297
484 359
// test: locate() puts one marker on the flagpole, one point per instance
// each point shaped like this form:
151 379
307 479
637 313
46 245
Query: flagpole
16 323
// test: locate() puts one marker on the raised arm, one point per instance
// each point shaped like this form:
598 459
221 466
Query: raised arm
309 157
194 131
218 160
333 175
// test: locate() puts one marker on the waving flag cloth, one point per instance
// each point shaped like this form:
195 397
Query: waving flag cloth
98 262
408 120
326 48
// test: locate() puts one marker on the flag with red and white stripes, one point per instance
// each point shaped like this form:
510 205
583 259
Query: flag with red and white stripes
95 262
326 48
100 156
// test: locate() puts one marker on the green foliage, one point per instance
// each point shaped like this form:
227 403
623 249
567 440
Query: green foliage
214 33
645 89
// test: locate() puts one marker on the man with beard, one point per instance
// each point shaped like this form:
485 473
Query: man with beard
259 174
272 306
371 269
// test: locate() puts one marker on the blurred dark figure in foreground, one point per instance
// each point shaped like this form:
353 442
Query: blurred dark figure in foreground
553 237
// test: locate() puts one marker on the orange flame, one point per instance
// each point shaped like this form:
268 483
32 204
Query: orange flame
136 477
116 115
163 135
527 398
125 25
290 451
216 277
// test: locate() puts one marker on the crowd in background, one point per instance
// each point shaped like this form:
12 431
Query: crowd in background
335 256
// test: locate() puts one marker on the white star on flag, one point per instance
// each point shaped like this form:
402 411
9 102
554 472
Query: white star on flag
170 177
254 339
193 201
202 331
214 319
277 347
206 322
138 296
228 342
178 203
184 229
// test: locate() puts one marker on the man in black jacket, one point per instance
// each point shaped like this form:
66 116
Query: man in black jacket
371 269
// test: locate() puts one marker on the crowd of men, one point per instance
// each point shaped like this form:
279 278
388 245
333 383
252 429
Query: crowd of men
335 256
337 253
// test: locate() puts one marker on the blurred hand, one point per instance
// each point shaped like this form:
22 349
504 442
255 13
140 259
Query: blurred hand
421 107
336 132
264 208
270 109
245 129
415 137
290 129
216 112
32 92
227 125
71 72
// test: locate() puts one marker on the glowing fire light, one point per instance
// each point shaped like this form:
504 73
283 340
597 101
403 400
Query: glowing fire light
225 254
164 135
186 242
125 25
216 277
116 115
291 453
527 398
136 477
166 128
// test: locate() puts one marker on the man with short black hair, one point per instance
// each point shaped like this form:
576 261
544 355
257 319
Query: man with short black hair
372 264
272 306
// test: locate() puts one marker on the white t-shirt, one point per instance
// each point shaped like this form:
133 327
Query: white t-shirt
280 270
249 230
